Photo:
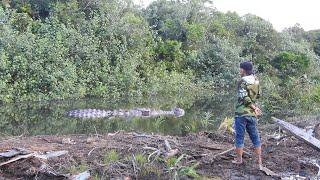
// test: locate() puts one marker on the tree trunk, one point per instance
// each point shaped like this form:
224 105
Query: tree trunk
316 131
301 134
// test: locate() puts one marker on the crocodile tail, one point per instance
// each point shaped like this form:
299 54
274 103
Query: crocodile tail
89 113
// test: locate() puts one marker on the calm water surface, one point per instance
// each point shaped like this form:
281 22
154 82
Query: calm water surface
49 118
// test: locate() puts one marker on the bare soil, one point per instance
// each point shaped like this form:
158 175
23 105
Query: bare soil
92 153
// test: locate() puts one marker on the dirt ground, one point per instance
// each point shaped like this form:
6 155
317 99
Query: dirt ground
127 156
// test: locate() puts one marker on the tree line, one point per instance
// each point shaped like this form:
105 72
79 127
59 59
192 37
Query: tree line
114 49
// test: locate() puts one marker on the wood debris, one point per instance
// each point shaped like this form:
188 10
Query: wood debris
82 176
299 133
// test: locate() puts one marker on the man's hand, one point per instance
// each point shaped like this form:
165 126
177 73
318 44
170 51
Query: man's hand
257 110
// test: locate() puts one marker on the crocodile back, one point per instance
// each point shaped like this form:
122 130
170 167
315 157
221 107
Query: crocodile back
89 113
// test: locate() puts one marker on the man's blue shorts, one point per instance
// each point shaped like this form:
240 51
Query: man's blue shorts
249 124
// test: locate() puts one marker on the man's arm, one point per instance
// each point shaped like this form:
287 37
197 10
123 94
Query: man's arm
249 103
256 109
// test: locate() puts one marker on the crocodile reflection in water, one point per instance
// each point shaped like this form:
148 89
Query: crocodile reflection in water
137 112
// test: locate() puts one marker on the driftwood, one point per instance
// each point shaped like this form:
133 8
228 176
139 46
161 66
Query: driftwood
82 176
299 133
229 150
156 152
15 152
170 152
17 158
89 153
278 136
167 152
316 131
224 152
47 170
11 153
210 147
268 171
113 134
51 154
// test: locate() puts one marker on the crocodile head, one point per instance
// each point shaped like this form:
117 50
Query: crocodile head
178 112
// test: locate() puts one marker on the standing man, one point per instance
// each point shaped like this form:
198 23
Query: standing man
247 111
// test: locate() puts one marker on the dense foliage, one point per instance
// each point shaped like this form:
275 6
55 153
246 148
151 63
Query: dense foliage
81 48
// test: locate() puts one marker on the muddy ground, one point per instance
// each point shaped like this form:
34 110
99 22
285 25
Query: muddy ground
139 156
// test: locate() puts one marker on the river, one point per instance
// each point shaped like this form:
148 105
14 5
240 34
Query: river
49 118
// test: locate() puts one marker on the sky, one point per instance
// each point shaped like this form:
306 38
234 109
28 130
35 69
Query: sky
281 13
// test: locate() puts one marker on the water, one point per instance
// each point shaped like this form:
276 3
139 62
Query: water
49 118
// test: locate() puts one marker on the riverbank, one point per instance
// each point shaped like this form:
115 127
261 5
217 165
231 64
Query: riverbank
124 155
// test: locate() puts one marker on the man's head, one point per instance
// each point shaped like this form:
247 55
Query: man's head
246 68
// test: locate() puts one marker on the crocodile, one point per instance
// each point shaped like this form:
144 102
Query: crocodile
136 112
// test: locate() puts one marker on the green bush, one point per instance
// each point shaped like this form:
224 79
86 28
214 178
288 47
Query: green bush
182 50
291 64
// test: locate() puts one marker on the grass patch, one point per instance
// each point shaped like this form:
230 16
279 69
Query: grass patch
189 171
150 172
141 159
111 156
78 169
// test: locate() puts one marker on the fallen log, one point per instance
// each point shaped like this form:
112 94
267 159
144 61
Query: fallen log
17 158
299 133
11 153
51 154
82 176
224 152
229 150
268 172
316 131
14 152
210 147
169 151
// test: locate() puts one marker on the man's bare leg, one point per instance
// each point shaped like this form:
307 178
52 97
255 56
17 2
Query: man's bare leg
238 159
258 154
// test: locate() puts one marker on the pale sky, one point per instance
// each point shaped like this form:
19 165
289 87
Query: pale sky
281 13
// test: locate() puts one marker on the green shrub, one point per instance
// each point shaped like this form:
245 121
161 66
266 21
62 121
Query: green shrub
291 64
111 156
